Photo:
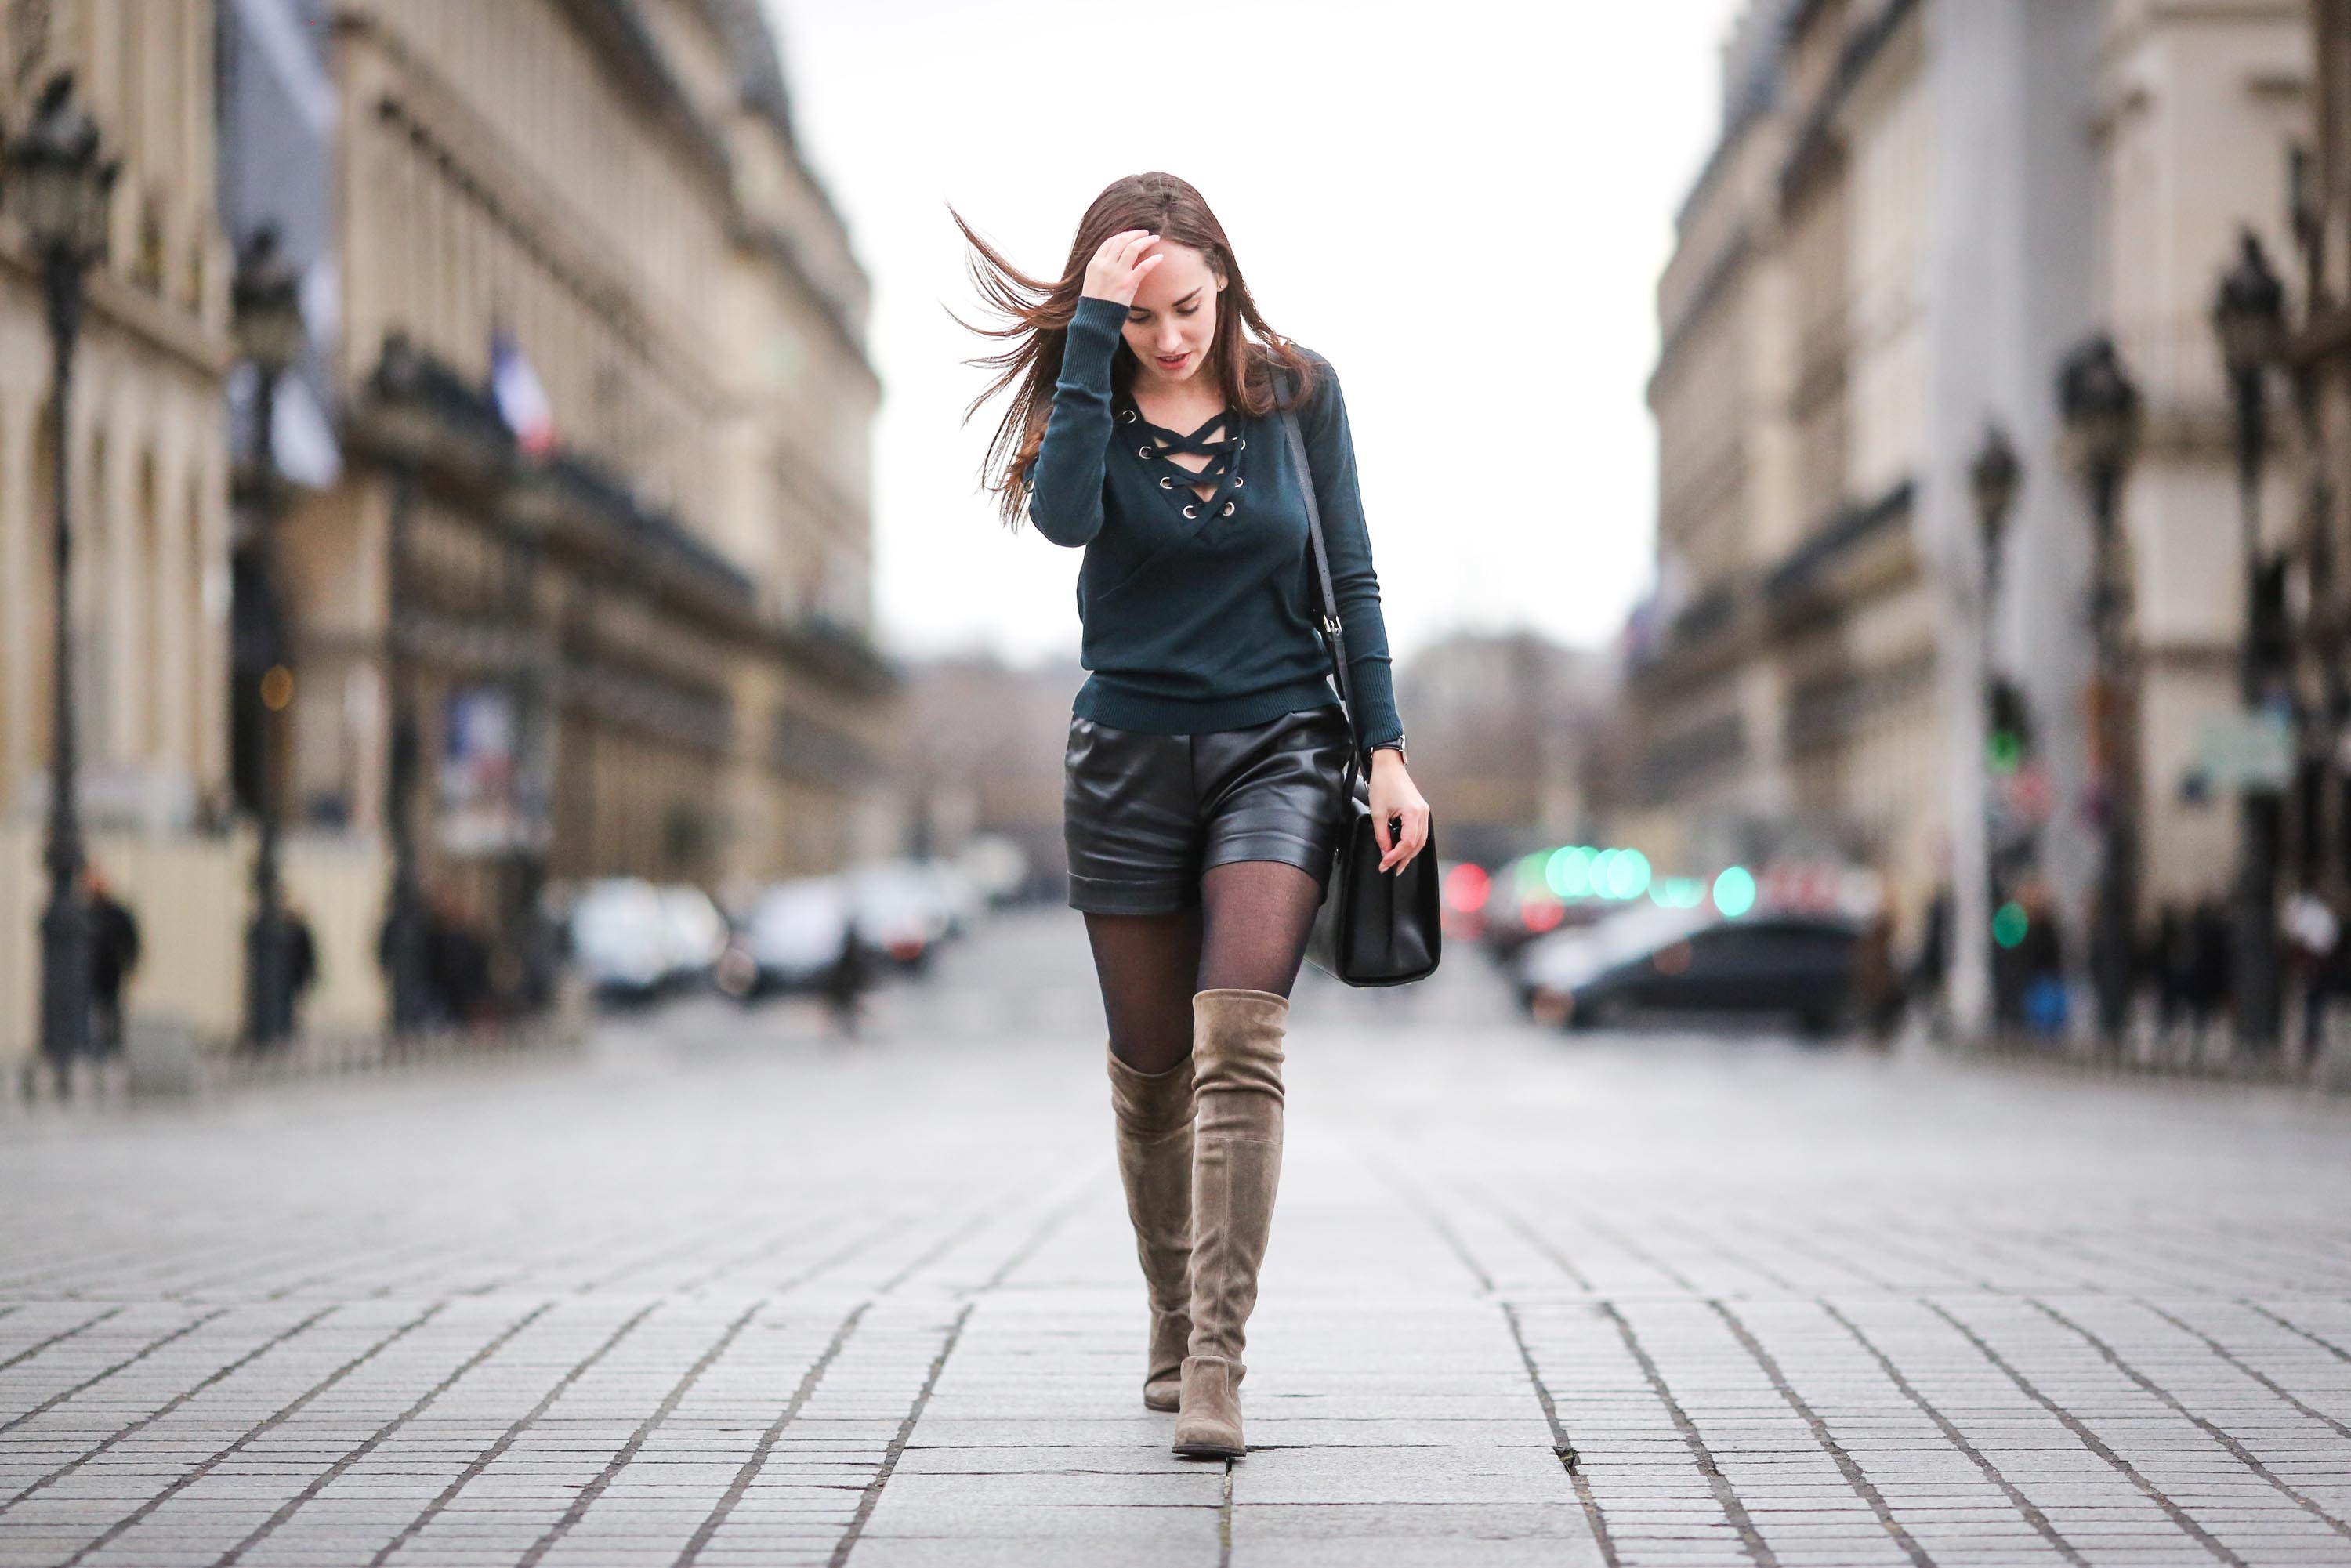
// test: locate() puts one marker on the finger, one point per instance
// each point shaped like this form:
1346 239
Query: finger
1415 835
1138 242
1146 264
1115 244
1381 836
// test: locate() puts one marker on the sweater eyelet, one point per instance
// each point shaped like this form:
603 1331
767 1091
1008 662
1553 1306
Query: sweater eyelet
1167 481
1144 453
1191 511
1229 509
1127 416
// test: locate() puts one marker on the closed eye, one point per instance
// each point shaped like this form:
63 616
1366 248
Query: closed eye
1188 306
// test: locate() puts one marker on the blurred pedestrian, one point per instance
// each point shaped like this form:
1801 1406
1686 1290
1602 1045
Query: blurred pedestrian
301 962
847 979
420 921
2040 961
1207 754
1929 965
114 954
2313 940
457 960
2168 960
2208 964
1876 983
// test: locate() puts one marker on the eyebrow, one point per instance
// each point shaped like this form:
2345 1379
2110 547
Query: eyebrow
1186 300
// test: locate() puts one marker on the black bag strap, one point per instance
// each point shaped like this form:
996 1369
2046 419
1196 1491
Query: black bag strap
1334 633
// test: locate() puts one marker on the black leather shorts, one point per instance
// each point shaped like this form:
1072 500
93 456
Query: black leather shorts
1143 815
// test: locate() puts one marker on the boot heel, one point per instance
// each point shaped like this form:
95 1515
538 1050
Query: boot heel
1163 1388
1210 1425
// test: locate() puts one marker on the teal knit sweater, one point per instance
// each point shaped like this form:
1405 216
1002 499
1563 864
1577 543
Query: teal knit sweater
1199 616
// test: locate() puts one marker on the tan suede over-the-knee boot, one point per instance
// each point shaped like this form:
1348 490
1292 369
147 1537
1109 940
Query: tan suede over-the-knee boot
1154 1112
1236 1165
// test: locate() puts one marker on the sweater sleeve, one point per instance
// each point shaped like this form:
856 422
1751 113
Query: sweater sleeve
1331 447
1065 493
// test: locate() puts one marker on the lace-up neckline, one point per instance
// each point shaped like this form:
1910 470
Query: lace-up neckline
1153 444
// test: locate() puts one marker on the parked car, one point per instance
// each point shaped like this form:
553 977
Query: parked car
899 911
788 938
1796 965
693 930
958 896
1549 968
620 937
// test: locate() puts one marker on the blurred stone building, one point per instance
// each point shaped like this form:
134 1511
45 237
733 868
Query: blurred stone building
1507 730
983 754
147 451
148 463
1916 208
600 541
621 589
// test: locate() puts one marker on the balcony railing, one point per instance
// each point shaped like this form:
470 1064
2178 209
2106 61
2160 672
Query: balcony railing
1801 569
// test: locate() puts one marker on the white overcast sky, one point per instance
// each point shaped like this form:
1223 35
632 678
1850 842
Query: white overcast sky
1464 205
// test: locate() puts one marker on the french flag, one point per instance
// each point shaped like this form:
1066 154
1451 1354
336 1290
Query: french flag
521 401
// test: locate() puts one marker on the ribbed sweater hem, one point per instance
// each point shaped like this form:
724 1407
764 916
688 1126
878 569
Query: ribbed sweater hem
1106 702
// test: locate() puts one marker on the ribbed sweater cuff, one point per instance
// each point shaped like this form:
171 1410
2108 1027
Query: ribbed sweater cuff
1095 332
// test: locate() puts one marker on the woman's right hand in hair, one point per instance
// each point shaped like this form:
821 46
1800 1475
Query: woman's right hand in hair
1116 273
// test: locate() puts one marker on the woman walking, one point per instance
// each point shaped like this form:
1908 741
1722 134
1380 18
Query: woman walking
1202 802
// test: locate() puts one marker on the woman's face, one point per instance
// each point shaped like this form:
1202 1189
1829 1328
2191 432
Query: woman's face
1173 322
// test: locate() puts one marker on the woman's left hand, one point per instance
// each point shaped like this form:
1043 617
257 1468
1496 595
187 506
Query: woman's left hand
1394 797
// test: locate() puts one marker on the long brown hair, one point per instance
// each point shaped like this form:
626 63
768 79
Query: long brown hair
1037 315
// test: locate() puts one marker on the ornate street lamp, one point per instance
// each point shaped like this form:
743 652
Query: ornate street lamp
267 297
2249 314
1992 479
61 191
395 392
2101 408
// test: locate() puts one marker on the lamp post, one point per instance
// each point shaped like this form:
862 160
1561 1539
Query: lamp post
61 191
2326 819
395 388
2249 314
2101 408
267 306
1992 479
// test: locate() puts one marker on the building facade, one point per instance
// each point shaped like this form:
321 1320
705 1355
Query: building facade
1514 734
606 611
633 637
2318 554
1915 209
148 469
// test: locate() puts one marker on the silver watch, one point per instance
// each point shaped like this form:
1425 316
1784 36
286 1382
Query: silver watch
1395 746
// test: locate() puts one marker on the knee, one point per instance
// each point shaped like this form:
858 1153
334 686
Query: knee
1151 1103
1239 1036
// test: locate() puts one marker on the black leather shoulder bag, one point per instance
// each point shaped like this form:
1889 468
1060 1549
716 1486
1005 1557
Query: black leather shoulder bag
1373 929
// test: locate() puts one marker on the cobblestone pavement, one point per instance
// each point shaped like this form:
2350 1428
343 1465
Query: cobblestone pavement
719 1291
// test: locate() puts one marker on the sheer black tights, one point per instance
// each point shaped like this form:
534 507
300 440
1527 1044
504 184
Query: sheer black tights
1248 933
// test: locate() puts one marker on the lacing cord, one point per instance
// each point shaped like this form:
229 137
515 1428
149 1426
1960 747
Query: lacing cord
1158 442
